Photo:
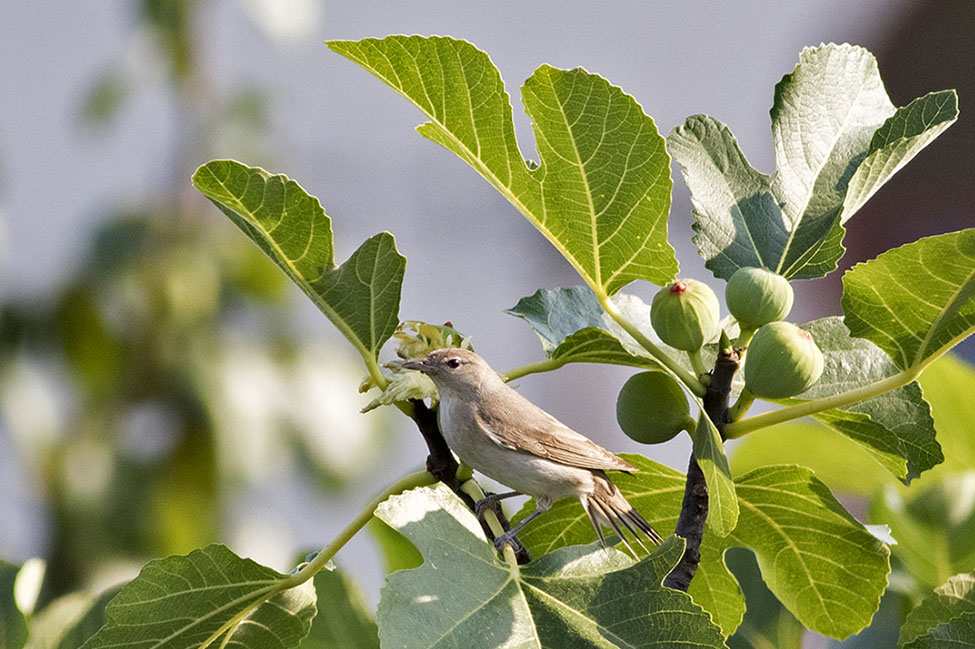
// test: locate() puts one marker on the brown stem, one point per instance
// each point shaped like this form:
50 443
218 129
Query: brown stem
442 465
694 508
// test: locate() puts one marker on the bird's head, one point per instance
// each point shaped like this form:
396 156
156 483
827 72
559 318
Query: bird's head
454 368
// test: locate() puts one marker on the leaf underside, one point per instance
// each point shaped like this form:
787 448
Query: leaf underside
601 191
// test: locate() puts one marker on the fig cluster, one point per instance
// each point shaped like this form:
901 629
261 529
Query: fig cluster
782 360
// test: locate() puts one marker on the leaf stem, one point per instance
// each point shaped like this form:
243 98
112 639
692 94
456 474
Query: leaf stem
532 368
788 413
372 365
418 479
691 381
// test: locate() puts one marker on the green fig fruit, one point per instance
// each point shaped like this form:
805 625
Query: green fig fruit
782 361
758 296
684 314
652 408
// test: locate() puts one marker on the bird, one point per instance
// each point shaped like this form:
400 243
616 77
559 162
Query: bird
503 435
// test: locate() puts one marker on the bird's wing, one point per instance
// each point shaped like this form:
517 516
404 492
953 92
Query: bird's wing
532 430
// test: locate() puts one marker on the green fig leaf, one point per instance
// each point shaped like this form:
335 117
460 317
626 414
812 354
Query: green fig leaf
464 595
601 191
211 593
837 139
360 297
709 453
917 301
952 599
573 327
804 540
896 427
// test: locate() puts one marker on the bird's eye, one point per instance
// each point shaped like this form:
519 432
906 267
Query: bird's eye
453 363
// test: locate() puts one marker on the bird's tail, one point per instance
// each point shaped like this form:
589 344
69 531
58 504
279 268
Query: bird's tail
607 507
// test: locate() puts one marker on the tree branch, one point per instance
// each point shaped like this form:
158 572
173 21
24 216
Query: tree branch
694 508
442 465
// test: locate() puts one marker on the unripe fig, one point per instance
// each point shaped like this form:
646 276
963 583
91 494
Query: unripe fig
685 314
757 296
651 408
782 360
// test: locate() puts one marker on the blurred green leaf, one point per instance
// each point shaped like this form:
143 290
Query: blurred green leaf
934 524
396 550
211 593
766 624
464 596
957 632
343 622
360 297
837 139
69 620
104 97
13 624
948 601
915 301
601 192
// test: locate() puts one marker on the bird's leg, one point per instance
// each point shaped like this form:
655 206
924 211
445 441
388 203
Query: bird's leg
511 535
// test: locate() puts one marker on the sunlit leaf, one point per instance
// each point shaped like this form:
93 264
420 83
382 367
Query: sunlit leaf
465 596
601 191
915 301
820 562
184 601
360 297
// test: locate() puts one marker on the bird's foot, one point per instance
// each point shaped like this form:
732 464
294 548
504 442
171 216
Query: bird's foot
490 501
508 538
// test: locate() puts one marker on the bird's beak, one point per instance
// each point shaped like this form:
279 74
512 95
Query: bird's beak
417 365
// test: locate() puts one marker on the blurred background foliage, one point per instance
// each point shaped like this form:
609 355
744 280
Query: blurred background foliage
169 375
170 378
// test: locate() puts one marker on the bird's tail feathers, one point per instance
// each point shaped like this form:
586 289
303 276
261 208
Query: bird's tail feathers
607 507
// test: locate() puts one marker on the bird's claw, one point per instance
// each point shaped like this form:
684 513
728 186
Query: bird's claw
487 502
508 539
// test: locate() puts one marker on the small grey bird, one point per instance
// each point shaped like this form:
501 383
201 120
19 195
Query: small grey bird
506 437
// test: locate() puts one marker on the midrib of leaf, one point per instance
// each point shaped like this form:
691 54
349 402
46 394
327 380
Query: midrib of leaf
259 597
792 546
557 604
935 326
336 319
592 209
475 609
809 191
